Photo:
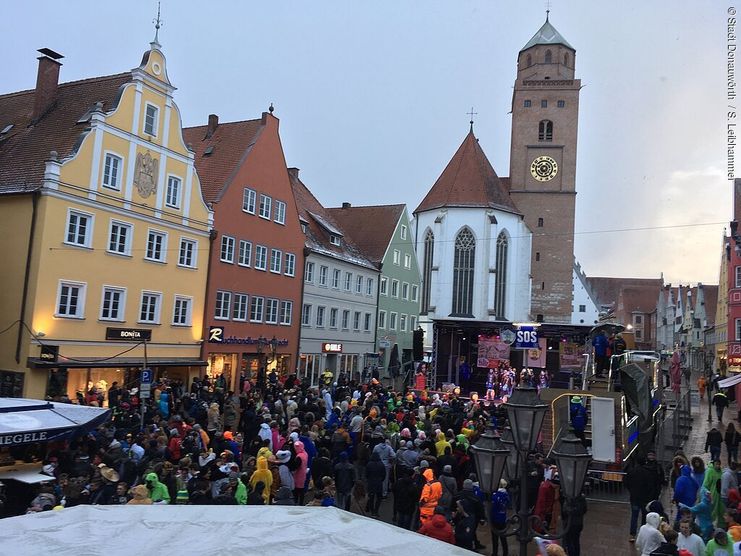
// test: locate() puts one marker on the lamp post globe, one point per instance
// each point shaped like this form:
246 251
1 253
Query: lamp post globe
525 412
513 458
490 456
573 461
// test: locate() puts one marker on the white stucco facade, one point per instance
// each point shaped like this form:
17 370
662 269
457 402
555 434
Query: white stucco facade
585 309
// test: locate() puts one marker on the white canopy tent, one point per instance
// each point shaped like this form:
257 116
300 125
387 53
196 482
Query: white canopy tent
210 530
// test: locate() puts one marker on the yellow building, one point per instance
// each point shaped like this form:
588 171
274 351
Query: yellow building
720 360
103 227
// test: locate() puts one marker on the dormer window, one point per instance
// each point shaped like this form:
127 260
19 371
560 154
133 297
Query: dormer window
334 239
304 227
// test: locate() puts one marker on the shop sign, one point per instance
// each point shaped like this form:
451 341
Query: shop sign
734 349
217 335
526 338
128 334
734 361
385 344
23 438
331 347
49 353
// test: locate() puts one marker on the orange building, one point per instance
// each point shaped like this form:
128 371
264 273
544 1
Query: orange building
254 284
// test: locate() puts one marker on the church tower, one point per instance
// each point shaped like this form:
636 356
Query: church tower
545 113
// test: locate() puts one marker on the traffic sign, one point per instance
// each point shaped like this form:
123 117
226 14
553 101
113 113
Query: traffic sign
145 391
146 376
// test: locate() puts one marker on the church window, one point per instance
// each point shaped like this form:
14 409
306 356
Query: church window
463 268
548 57
561 103
501 276
429 250
537 256
538 318
527 103
540 222
565 59
545 130
529 60
544 103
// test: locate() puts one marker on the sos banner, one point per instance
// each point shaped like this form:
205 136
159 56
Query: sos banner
526 337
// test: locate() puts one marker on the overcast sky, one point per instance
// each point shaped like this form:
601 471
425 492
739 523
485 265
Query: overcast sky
373 96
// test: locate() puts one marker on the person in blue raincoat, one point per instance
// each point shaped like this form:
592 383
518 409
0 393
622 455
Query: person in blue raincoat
703 512
164 405
578 417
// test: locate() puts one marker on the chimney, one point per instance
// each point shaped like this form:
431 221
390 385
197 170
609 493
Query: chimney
293 172
346 205
47 80
213 123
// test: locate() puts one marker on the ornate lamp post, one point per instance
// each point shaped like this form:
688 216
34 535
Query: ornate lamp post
490 455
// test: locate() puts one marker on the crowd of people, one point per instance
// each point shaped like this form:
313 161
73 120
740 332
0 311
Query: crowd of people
348 445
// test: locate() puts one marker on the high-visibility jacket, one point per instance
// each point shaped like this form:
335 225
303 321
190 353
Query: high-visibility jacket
430 496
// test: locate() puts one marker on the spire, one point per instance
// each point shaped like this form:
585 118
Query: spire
547 34
157 24
471 114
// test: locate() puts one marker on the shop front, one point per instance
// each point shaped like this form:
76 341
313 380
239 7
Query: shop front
339 357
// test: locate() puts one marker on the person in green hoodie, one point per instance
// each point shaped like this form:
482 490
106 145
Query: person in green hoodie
720 545
240 494
712 483
157 491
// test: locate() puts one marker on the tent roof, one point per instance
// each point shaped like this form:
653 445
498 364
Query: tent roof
284 530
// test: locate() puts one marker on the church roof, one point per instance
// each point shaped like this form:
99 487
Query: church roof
371 227
469 180
547 34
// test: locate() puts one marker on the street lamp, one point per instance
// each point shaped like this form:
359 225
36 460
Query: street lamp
572 460
490 456
525 412
513 458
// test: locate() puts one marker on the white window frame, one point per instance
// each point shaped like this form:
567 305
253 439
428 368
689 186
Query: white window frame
403 232
172 178
272 317
336 278
276 260
260 301
402 322
261 262
249 200
407 260
266 206
393 319
81 294
158 307
405 295
241 301
116 185
163 247
127 242
244 257
415 293
334 239
334 315
412 323
194 252
738 330
738 276
306 314
223 305
384 285
309 272
356 321
359 284
188 310
323 275
286 312
320 312
397 257
346 319
121 303
367 322
395 288
290 266
155 122
227 256
88 228
348 281
280 212
381 319
369 282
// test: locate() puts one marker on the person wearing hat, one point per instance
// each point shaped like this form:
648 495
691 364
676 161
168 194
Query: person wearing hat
107 489
282 457
139 496
468 513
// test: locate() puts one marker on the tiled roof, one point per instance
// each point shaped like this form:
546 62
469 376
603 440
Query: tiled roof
26 147
607 290
641 299
711 302
469 180
371 228
228 146
547 34
317 237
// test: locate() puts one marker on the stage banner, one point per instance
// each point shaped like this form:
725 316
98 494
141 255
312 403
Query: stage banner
492 351
571 355
536 357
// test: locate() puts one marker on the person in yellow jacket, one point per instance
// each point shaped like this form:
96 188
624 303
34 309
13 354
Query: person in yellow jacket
430 496
441 443
262 474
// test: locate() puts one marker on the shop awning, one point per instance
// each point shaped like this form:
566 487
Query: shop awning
730 381
117 363
25 421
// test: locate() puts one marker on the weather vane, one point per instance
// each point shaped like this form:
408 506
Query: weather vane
157 24
547 8
472 114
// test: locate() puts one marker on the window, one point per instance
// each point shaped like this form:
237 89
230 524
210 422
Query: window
276 258
188 253
397 257
336 278
548 57
290 264
542 285
582 308
638 319
394 288
150 120
544 104
256 308
381 319
309 272
527 103
367 322
738 330
561 104
345 319
529 60
181 311
335 239
280 212
545 130
112 172
240 306
540 222
412 323
150 307
402 323
384 285
323 275
639 334
537 256
286 312
79 228
261 257
369 286
356 320
227 249
463 270
172 196
245 253
306 315
359 284
113 303
223 305
156 246
407 260
71 300
738 276
265 206
320 316
429 251
403 232
415 293
500 288
405 291
249 198
119 241
333 313
392 321
271 311
348 281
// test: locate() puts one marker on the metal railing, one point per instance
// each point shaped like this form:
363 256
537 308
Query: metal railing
606 486
674 426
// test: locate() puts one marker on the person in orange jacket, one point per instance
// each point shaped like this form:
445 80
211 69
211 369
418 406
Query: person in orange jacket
438 527
430 496
702 384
